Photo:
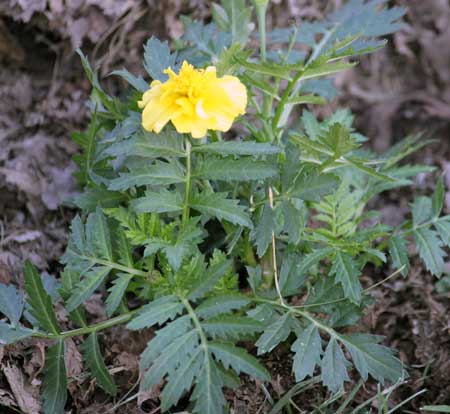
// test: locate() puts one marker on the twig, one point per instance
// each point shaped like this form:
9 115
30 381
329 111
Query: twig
274 253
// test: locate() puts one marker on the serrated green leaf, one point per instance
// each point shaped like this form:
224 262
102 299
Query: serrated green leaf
173 356
91 198
40 302
189 236
145 144
163 338
181 380
162 202
137 83
218 206
443 228
54 395
98 95
207 393
122 247
315 71
116 292
229 378
311 125
274 334
334 367
437 200
235 18
69 279
398 250
372 358
347 274
306 99
157 58
214 273
313 186
10 334
239 360
307 348
242 169
263 86
156 312
219 304
430 250
267 68
360 165
262 233
421 210
88 142
236 148
313 258
97 235
78 234
86 286
295 215
93 361
11 303
289 278
231 327
159 173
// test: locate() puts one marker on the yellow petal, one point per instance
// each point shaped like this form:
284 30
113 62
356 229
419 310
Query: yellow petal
236 92
156 115
200 111
189 125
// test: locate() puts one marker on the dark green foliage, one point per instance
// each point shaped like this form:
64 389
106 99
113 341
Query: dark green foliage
93 360
55 380
40 303
172 223
11 303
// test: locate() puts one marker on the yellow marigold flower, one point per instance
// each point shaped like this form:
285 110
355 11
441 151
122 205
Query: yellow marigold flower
195 100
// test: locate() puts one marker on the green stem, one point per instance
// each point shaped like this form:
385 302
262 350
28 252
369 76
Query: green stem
297 311
116 266
188 182
125 268
195 320
284 98
261 16
261 10
426 224
118 320
284 109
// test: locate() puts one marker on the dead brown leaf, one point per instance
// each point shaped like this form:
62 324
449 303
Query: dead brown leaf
23 393
72 358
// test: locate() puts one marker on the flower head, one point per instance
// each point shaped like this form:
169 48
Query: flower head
195 100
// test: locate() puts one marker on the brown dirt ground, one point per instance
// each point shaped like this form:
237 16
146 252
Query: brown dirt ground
401 90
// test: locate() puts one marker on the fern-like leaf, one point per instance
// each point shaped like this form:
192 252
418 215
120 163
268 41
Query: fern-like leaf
219 206
346 272
55 380
93 360
156 312
116 292
40 302
307 349
11 303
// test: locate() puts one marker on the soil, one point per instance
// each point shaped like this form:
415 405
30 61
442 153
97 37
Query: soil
401 90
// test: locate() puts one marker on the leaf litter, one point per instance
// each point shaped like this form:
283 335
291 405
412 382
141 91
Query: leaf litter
402 89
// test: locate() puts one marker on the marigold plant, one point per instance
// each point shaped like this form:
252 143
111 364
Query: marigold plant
195 100
219 212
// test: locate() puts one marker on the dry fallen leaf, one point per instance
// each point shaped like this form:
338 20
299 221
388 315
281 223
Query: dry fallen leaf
22 391
72 358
